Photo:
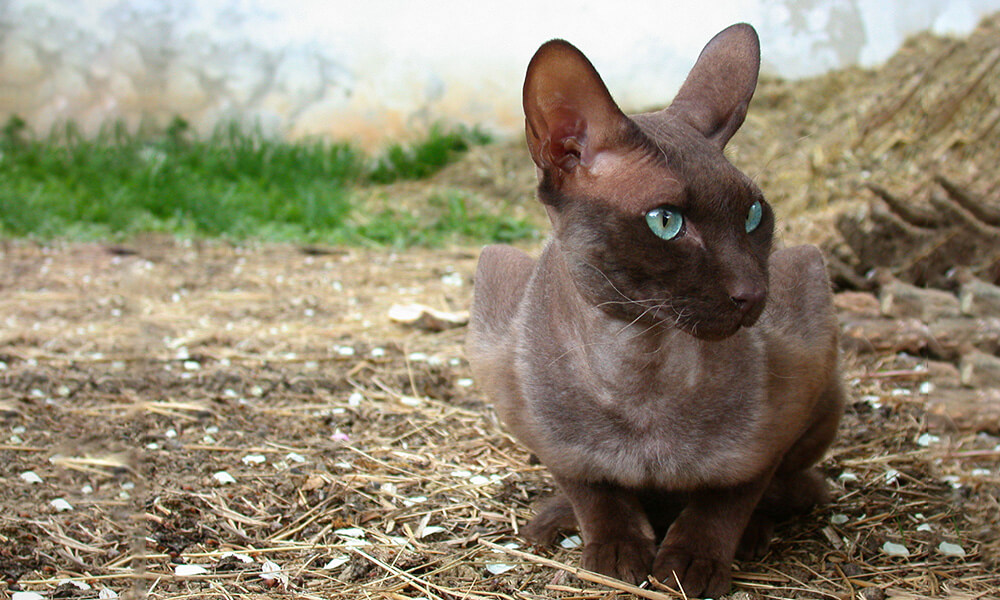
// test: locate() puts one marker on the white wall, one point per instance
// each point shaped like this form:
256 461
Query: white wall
372 69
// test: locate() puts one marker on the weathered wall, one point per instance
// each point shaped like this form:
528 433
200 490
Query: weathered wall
334 67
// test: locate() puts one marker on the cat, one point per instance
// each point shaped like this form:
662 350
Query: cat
677 378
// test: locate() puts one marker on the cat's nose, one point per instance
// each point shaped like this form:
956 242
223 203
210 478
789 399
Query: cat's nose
748 298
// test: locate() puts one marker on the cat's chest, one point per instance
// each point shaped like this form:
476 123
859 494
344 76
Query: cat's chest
682 418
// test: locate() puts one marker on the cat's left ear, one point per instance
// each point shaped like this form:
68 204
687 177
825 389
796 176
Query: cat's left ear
570 118
717 91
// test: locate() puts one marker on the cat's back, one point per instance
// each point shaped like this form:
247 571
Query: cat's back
799 314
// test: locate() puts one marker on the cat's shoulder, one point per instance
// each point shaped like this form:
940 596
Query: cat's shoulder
501 278
800 297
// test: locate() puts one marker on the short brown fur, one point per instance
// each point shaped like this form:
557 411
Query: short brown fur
679 391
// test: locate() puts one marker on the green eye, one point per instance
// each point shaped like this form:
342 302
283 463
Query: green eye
754 216
665 222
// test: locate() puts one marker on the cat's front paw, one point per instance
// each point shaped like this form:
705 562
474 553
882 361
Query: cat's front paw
627 560
699 576
756 538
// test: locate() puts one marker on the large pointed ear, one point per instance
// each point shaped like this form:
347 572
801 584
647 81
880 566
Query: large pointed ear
570 118
717 91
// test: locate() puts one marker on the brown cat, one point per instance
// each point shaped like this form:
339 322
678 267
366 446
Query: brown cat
677 378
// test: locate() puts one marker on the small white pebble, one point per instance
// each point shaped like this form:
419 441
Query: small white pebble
980 472
208 440
410 401
170 433
572 541
26 596
61 505
107 594
18 429
257 391
223 478
924 527
377 352
87 489
891 476
894 549
461 473
464 382
926 388
408 502
417 357
354 400
295 457
345 350
31 477
192 365
950 549
479 480
839 519
189 570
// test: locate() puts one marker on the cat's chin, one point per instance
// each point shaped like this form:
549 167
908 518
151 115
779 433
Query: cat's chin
715 331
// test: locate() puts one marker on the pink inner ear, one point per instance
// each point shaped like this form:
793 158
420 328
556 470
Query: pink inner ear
567 138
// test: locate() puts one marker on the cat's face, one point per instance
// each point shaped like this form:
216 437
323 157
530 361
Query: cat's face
670 243
657 227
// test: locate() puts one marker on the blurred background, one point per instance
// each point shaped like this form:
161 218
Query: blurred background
377 70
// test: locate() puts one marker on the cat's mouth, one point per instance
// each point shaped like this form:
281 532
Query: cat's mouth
719 325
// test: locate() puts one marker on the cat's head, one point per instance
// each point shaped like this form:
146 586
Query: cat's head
655 223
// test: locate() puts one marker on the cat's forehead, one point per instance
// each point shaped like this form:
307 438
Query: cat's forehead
634 182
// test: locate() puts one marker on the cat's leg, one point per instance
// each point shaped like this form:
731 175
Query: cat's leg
699 547
618 539
797 486
551 516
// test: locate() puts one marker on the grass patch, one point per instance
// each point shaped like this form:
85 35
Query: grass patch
234 183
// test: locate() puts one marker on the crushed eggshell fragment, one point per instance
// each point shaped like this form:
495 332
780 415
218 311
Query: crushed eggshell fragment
894 549
337 561
839 519
427 318
30 477
61 505
223 478
430 530
498 568
243 558
107 594
572 541
189 570
952 550
26 596
927 439
254 459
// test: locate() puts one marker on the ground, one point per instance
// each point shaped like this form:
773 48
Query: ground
364 461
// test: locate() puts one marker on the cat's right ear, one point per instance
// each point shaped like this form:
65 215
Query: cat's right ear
570 118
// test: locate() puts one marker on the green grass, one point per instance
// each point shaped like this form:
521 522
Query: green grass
233 183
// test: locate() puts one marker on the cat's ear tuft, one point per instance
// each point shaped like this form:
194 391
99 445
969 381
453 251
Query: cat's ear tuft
570 117
717 91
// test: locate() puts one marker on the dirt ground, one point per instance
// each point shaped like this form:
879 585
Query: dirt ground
364 462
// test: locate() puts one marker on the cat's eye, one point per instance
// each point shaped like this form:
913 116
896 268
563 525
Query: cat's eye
754 216
666 223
